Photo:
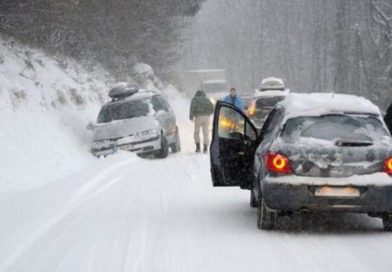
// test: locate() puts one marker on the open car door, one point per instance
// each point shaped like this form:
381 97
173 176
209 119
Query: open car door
232 148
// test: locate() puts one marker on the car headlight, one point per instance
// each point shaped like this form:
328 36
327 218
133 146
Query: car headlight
147 133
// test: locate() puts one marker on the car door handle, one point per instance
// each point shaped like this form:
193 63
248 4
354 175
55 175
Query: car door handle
241 153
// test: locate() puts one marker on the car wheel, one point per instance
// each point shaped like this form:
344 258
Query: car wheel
164 151
267 219
176 146
387 222
143 156
253 201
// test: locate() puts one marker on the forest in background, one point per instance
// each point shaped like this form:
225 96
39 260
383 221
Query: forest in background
315 45
115 33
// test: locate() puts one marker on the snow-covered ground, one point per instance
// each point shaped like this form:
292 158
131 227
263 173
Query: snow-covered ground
63 210
128 214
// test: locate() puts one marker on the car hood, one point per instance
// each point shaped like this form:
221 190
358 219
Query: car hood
122 128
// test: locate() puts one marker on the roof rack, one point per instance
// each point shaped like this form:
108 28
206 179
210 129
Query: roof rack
123 91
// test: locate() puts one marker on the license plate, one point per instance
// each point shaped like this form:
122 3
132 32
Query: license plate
328 191
126 147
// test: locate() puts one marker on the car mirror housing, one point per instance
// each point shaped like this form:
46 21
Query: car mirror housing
90 126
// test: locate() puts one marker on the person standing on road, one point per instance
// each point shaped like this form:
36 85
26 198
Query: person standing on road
388 118
234 99
201 109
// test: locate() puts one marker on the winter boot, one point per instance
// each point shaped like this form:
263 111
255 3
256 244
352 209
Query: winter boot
197 148
205 150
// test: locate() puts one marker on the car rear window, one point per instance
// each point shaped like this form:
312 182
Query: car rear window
335 127
268 102
127 110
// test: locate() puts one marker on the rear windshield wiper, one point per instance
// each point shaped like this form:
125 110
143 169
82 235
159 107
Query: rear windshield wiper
353 143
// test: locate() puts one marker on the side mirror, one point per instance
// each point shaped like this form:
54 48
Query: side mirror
90 126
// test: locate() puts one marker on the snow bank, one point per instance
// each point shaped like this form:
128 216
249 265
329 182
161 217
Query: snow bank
45 105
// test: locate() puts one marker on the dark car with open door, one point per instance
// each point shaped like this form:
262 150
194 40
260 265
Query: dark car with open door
315 152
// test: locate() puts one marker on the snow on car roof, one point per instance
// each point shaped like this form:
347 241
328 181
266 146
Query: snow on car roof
272 79
272 83
270 93
317 104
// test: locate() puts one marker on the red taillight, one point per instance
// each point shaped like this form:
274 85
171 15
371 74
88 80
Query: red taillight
278 164
388 166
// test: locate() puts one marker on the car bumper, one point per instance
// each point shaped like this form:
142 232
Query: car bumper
140 147
288 197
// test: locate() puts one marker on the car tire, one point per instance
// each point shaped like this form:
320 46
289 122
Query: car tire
387 222
164 151
253 200
176 146
143 156
267 219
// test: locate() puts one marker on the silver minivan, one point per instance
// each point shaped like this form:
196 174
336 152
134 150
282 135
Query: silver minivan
136 120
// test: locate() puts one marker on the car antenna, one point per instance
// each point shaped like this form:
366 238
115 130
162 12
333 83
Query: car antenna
334 87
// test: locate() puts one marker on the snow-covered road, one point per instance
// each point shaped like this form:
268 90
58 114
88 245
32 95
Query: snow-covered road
130 214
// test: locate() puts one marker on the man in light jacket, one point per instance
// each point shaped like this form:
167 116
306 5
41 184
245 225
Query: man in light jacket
234 99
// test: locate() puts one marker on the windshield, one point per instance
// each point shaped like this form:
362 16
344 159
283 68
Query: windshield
127 110
335 127
268 102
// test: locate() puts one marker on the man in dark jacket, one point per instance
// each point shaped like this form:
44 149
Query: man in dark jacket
201 109
388 118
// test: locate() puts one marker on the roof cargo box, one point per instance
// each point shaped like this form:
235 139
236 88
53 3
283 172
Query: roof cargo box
272 83
124 90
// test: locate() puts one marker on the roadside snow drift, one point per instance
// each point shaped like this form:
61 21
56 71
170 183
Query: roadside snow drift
44 106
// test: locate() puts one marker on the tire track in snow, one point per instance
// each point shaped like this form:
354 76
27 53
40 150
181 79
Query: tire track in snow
148 237
159 245
92 230
120 234
68 248
82 195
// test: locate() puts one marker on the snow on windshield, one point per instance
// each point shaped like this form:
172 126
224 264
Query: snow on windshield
127 110
335 127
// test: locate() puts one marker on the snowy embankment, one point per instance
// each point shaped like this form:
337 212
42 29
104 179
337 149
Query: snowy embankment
45 105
